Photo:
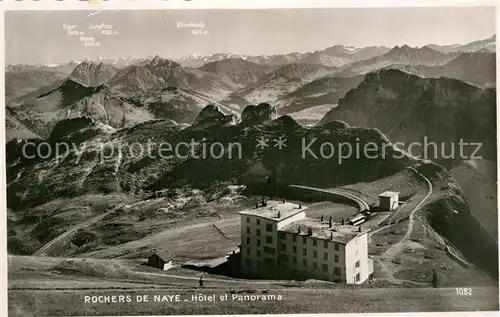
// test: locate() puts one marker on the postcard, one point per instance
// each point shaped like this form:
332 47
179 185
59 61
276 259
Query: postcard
254 160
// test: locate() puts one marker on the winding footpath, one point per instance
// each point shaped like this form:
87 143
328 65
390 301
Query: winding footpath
73 229
398 247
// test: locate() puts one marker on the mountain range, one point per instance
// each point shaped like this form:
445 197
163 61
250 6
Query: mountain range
131 90
442 110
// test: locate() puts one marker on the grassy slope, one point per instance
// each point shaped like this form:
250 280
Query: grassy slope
294 301
76 278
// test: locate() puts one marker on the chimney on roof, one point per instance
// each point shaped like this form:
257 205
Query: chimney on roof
309 231
279 214
331 235
284 200
298 230
330 223
322 218
359 228
343 223
300 205
256 205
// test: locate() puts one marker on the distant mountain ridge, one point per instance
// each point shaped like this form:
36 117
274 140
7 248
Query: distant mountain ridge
158 87
477 68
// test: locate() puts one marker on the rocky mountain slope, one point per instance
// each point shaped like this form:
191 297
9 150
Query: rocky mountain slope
107 105
116 168
71 100
109 166
442 110
135 79
91 74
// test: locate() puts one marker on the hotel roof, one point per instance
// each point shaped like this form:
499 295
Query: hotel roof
272 209
389 194
321 230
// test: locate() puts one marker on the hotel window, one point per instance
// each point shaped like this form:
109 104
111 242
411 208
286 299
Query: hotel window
248 262
269 262
294 238
356 264
258 221
304 263
269 227
283 247
315 242
282 237
294 260
336 259
315 254
324 267
248 229
304 252
315 265
258 253
269 239
336 271
248 240
258 242
336 246
325 256
304 240
269 250
248 220
325 244
294 249
258 232
358 277
259 263
248 250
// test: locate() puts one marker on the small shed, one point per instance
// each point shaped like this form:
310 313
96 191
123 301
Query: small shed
388 200
161 260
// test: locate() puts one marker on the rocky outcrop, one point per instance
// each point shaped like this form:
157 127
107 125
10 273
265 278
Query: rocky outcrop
66 127
261 113
335 125
212 115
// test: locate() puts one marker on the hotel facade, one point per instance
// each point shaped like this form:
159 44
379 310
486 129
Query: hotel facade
279 241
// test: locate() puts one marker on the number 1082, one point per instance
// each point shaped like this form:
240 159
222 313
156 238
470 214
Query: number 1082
464 291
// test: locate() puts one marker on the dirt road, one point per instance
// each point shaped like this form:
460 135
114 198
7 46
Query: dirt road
397 248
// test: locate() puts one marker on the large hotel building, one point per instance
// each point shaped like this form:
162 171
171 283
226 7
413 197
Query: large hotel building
278 240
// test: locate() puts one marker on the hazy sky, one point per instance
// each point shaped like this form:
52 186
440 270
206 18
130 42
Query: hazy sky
38 36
